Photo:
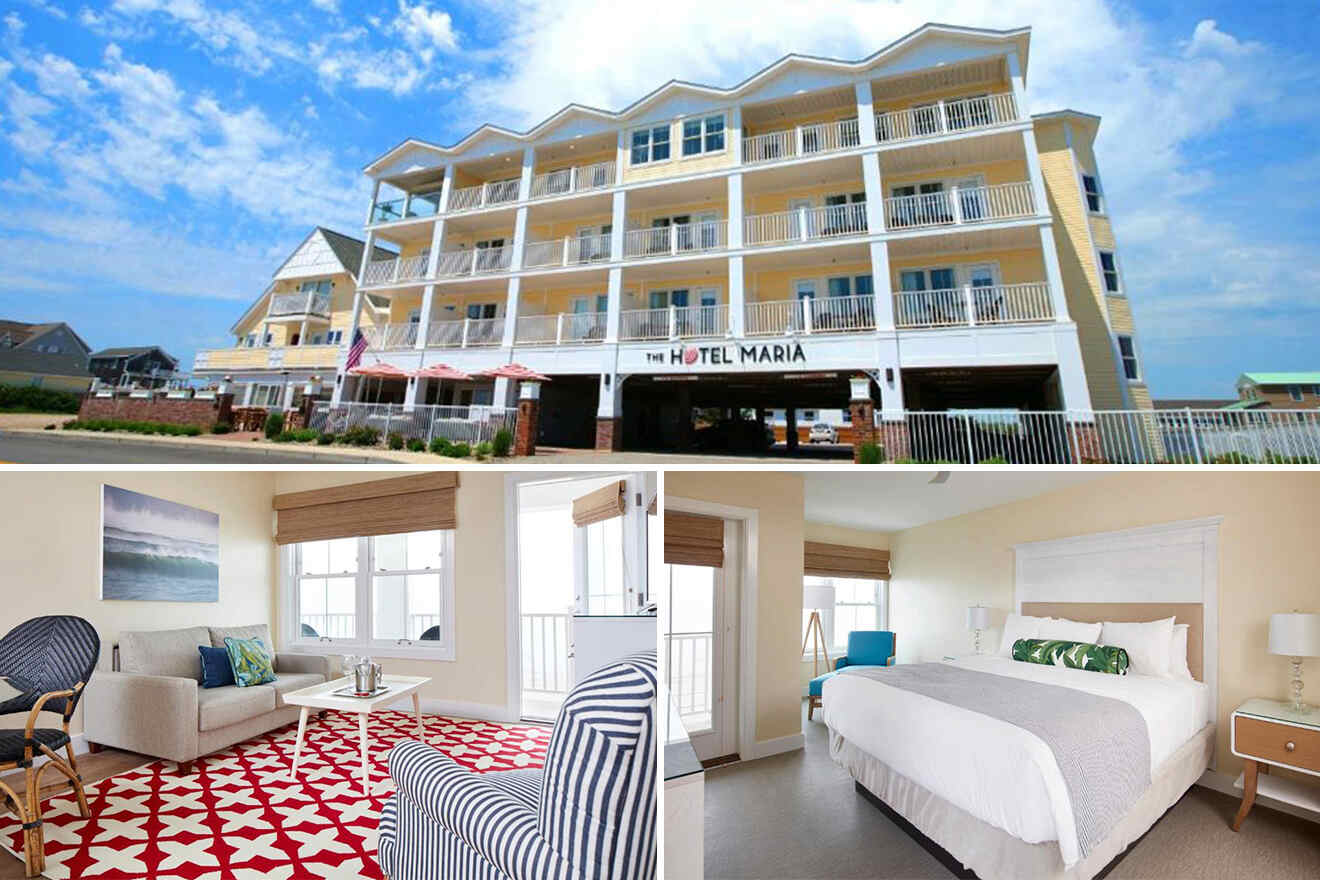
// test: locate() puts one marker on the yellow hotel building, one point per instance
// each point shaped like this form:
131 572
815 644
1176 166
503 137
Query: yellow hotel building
901 218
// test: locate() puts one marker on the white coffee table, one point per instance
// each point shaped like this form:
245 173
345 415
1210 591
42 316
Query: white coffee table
322 696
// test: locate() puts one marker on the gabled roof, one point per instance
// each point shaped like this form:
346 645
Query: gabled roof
675 86
131 351
1191 403
21 332
1303 378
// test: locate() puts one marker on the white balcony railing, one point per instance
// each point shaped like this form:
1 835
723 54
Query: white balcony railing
396 270
830 314
805 224
678 238
944 117
689 660
545 658
565 328
462 333
579 178
474 261
495 192
567 251
958 206
970 306
287 304
675 322
803 140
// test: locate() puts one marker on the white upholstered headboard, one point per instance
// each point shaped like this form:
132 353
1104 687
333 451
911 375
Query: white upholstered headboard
1169 564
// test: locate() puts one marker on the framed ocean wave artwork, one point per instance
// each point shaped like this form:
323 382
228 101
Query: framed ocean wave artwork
157 550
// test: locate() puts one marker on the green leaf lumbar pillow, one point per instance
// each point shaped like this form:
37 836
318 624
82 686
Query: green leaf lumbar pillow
1074 655
251 662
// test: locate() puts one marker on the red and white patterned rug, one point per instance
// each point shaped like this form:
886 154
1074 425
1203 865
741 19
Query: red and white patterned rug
238 816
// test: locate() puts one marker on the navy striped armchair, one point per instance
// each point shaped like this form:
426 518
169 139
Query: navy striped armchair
589 814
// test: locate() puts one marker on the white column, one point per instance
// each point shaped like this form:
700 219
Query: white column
620 156
1053 274
505 394
735 210
610 398
511 311
525 182
1034 175
424 316
881 287
865 113
1072 375
302 332
737 297
371 208
614 307
247 393
519 239
890 379
618 221
875 193
735 132
287 401
415 393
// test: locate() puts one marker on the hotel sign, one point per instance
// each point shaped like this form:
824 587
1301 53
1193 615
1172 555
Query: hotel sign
729 355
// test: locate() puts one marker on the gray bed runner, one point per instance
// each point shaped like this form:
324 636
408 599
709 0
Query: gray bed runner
1101 744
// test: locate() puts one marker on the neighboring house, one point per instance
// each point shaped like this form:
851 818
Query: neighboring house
298 328
48 355
1280 390
149 366
1192 403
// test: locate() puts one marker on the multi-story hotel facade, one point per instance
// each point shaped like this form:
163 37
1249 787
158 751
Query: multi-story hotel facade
756 247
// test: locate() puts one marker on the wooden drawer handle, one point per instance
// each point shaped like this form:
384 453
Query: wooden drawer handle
1290 747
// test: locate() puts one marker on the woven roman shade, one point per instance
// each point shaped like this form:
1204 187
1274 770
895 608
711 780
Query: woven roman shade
380 507
605 503
838 560
694 540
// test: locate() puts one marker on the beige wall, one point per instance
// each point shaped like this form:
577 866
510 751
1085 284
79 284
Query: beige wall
51 543
477 676
1268 559
778 497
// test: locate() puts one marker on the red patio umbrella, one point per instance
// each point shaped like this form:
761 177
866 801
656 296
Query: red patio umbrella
379 370
442 371
514 371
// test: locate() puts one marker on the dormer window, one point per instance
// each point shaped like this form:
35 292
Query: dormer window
650 144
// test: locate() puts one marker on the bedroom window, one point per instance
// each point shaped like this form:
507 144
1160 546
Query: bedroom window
858 604
365 594
602 589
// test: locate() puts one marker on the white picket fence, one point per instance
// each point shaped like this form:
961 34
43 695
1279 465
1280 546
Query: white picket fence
457 424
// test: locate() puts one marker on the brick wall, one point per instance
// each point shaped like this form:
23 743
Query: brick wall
158 408
609 435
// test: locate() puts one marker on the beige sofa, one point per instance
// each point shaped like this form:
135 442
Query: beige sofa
153 702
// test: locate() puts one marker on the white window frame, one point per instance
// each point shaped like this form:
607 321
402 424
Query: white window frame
703 136
1104 273
1099 193
1135 357
827 616
582 588
363 642
334 337
650 131
323 285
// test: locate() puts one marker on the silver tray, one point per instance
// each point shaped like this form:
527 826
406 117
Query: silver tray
351 692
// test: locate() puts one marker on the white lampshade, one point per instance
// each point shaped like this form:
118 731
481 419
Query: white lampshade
978 617
1295 635
817 596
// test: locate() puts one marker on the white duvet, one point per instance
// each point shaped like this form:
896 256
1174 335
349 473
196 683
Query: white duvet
996 771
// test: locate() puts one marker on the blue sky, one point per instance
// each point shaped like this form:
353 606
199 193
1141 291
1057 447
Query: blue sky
159 158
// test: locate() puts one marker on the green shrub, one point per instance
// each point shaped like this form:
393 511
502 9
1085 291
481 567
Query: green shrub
994 459
284 437
221 428
325 439
416 444
484 450
162 428
870 453
70 424
460 450
1232 458
274 425
1276 458
440 446
502 445
28 398
305 435
192 430
395 440
361 435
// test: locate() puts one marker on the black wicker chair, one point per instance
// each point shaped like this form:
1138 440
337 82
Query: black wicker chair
48 661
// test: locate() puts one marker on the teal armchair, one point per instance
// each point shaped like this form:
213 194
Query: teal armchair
865 648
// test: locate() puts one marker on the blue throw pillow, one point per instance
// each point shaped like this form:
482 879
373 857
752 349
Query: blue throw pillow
216 671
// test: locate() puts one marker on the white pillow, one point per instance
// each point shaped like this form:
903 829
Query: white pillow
1147 644
1070 631
1018 626
1178 667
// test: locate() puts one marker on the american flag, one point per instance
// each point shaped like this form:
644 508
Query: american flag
356 350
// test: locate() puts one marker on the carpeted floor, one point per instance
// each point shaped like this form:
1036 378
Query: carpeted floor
796 817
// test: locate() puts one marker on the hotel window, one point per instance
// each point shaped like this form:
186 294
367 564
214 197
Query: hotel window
650 144
477 311
1109 267
250 341
1092 187
703 135
1128 351
375 592
322 286
1295 392
334 337
857 604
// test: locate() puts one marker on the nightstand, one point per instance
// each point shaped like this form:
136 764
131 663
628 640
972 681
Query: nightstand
1269 732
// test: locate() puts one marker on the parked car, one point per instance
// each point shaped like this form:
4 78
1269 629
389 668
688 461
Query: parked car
822 433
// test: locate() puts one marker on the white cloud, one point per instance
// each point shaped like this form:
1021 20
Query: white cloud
49 8
331 6
227 33
424 29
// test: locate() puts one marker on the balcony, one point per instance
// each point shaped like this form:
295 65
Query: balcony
690 668
565 328
281 357
579 178
831 314
474 198
676 239
804 224
802 140
451 264
675 322
960 206
545 663
946 117
412 206
296 305
568 251
463 333
970 306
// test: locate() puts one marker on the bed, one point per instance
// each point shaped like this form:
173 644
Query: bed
1022 770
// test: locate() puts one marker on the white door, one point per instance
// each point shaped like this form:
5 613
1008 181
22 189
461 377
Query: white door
798 227
972 199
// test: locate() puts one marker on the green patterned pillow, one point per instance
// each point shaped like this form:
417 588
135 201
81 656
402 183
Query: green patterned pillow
251 662
1074 655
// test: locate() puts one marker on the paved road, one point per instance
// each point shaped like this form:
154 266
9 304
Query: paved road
54 449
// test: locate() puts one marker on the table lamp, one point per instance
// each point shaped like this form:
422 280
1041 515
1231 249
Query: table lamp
978 618
1295 636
